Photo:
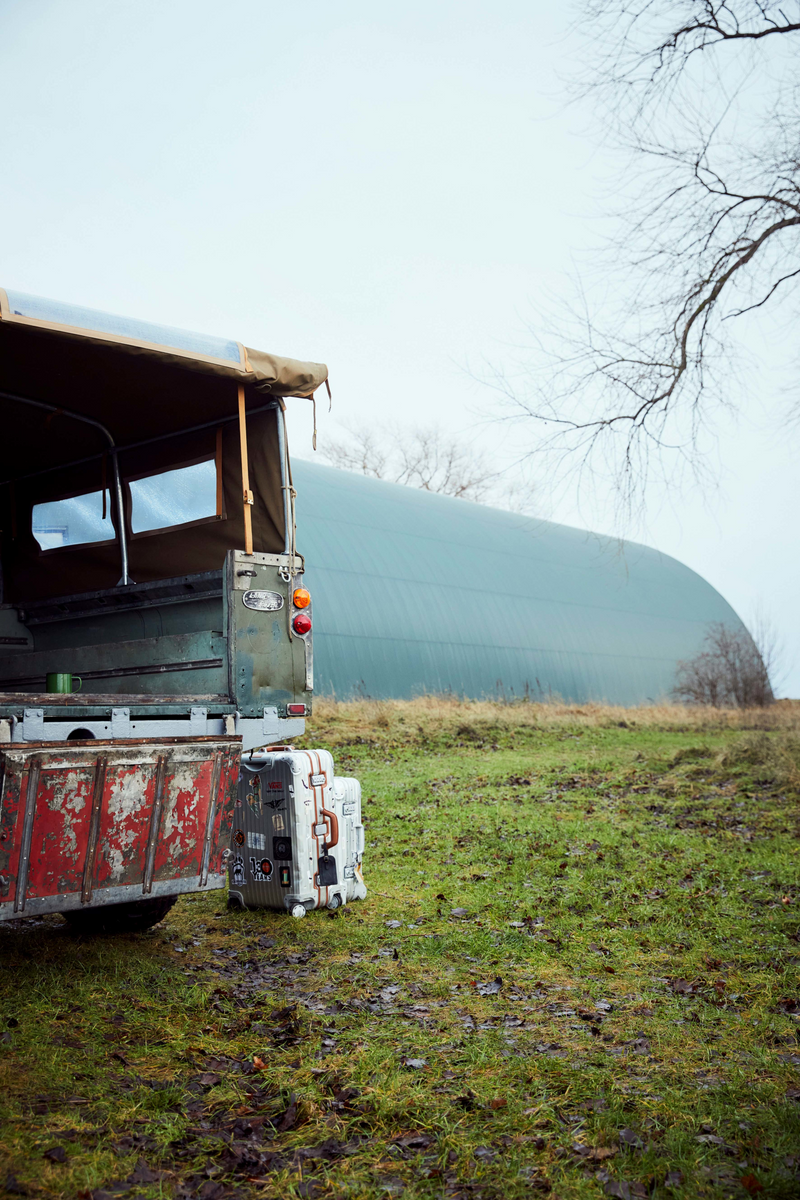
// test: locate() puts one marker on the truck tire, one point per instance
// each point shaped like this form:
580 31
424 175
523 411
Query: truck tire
120 918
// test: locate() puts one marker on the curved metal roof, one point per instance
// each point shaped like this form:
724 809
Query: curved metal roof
416 592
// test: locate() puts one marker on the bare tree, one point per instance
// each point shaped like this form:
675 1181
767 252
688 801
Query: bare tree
430 459
702 97
730 672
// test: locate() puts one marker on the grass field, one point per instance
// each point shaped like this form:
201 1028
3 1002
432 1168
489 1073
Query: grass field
575 975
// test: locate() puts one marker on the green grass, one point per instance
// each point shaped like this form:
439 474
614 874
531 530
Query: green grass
627 961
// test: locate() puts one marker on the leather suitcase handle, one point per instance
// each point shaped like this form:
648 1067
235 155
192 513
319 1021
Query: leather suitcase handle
334 823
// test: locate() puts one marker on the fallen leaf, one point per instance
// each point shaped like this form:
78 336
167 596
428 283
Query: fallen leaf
259 1063
624 1190
459 912
56 1154
751 1184
674 1179
498 1102
628 1137
685 987
491 988
394 924
289 1118
141 1173
414 1141
415 1064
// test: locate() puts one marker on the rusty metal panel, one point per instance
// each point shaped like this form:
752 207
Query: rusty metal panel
109 821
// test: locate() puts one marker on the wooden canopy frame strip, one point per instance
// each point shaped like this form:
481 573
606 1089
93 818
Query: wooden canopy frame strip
248 495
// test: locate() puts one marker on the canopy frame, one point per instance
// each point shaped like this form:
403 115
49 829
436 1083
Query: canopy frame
66 412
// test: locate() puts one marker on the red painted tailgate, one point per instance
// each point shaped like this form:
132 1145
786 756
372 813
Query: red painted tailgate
111 821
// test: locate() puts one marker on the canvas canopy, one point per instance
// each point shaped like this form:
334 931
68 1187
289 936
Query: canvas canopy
161 398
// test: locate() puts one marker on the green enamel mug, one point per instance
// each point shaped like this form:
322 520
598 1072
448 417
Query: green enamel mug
61 682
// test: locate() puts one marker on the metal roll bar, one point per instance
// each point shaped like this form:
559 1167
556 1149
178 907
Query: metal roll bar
66 412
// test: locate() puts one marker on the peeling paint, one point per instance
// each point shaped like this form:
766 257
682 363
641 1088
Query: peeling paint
61 826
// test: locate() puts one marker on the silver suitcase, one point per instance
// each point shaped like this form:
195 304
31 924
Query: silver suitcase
288 850
347 794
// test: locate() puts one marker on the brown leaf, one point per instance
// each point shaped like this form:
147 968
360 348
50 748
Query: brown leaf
141 1173
498 1102
259 1063
751 1184
289 1118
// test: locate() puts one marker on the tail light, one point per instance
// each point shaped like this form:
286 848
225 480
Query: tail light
301 624
295 710
301 598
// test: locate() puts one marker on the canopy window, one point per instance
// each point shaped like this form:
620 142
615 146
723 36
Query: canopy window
166 405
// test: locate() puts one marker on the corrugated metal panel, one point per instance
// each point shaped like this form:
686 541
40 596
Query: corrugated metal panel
415 592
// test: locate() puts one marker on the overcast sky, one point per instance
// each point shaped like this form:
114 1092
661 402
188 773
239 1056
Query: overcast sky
391 189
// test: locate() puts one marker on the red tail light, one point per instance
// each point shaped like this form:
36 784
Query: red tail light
295 710
301 624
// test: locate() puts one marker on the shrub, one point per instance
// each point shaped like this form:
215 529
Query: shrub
728 673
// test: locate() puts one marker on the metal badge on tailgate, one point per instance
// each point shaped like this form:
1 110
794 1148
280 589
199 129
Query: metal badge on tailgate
263 601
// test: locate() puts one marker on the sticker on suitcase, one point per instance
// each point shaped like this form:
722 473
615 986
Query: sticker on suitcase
261 870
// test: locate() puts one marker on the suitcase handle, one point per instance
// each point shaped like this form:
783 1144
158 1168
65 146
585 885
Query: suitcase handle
334 824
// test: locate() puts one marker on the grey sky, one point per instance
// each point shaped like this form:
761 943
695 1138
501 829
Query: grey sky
386 188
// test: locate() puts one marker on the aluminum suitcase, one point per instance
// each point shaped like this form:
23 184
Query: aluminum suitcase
288 852
347 794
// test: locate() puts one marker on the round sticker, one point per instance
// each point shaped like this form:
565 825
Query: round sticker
238 837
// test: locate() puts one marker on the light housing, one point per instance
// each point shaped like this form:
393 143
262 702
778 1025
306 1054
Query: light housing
295 710
302 624
301 598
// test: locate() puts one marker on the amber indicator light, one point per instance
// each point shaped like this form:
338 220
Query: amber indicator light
301 598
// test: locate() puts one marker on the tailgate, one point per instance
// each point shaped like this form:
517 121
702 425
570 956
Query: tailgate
105 822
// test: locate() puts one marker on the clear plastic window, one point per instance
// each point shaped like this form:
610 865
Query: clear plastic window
73 522
174 497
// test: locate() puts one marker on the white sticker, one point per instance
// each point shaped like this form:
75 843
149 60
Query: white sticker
320 830
256 841
317 780
348 809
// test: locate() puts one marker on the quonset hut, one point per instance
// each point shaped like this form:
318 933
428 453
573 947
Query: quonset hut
416 592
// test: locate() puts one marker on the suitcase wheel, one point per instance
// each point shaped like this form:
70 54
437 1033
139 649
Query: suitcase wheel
334 903
298 911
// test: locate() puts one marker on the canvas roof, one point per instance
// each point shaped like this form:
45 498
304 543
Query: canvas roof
139 380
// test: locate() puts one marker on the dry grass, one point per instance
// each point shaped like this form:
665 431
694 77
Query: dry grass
434 717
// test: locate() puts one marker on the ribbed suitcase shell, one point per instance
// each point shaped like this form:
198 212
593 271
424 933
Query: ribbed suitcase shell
289 840
347 793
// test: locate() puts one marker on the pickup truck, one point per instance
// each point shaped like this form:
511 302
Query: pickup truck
153 622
